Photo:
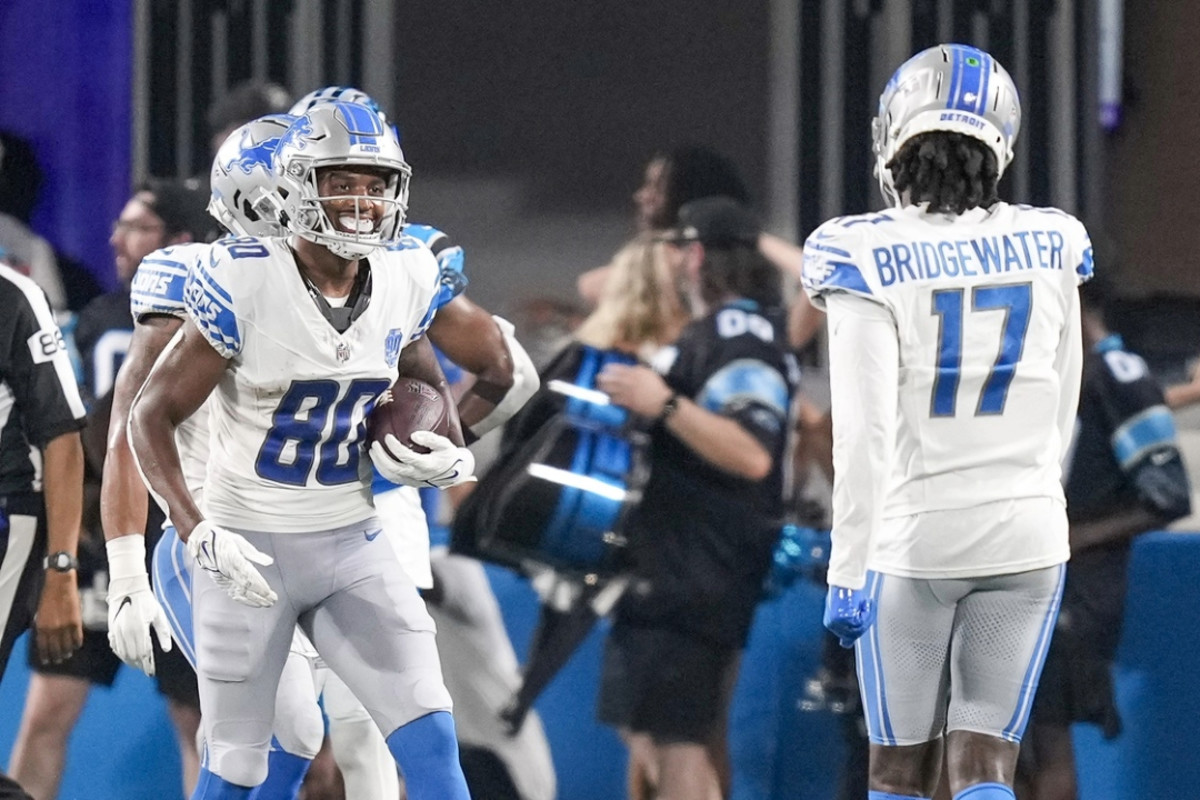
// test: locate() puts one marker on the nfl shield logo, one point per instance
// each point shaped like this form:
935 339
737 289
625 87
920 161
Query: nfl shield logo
391 346
343 352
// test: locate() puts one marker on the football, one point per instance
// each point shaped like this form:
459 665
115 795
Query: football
409 405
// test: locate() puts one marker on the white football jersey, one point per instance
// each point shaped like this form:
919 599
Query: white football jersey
287 451
981 316
157 288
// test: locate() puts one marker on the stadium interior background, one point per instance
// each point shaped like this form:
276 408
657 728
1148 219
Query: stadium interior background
527 125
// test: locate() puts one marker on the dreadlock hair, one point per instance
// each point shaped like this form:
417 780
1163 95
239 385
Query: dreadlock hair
953 172
739 270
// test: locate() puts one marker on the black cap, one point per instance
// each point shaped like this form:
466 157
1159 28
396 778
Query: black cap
715 222
181 205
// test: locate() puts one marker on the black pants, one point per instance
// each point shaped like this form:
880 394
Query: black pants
23 538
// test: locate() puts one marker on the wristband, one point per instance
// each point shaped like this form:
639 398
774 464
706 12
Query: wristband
126 557
669 407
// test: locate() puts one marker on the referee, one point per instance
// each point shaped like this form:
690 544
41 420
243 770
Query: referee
41 480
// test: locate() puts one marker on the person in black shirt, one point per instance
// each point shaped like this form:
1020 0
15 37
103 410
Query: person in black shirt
41 480
702 536
1126 477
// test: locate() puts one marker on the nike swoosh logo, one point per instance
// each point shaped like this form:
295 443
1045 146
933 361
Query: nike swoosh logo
372 534
125 601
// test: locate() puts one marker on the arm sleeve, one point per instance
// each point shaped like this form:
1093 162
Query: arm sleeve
1068 364
43 381
864 359
158 284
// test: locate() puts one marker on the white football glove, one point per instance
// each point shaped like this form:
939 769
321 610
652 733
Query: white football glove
133 611
229 560
445 465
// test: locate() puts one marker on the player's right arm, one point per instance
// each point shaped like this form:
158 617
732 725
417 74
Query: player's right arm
180 384
864 360
173 392
185 376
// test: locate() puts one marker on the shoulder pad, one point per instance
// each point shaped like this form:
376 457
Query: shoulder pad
833 261
1077 237
209 293
158 284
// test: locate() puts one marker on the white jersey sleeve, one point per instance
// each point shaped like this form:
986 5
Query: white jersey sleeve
157 286
863 378
216 284
985 310
833 262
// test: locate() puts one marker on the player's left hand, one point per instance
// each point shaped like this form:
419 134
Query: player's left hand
848 613
229 560
635 387
444 465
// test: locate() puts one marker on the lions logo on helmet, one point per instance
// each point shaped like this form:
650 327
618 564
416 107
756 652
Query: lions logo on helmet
244 199
950 87
345 135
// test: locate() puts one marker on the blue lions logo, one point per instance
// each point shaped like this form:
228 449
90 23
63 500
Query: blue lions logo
391 346
252 155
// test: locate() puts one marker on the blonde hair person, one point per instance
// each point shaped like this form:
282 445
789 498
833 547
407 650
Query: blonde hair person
641 308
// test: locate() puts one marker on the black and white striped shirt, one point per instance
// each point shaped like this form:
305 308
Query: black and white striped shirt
39 399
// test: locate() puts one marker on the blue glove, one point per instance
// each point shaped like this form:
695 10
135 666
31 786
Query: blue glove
848 613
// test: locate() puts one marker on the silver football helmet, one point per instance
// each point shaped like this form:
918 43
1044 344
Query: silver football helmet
244 199
335 94
340 134
950 87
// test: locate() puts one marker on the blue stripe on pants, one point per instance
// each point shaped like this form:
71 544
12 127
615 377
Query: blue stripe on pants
173 587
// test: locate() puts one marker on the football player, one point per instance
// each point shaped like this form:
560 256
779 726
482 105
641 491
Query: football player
294 343
955 353
502 378
241 185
